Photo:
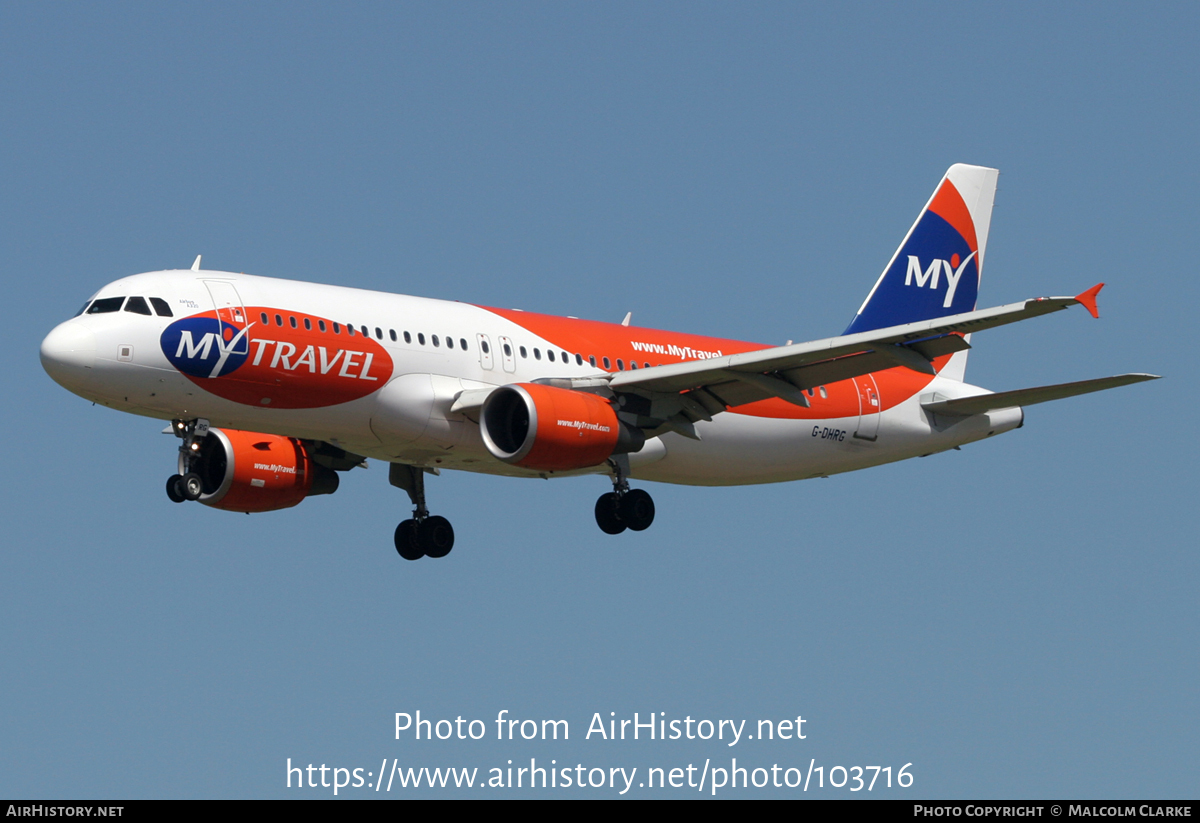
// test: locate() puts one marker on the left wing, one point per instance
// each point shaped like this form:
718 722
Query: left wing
682 393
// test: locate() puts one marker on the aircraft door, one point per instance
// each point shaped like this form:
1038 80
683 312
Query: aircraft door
508 355
869 406
485 351
231 315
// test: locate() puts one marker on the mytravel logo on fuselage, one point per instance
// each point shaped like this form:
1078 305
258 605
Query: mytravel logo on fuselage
205 346
306 366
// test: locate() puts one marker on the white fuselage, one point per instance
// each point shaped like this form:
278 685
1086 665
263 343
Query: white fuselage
401 412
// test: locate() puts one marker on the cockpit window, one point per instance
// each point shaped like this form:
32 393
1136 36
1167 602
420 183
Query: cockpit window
160 307
106 304
84 308
137 305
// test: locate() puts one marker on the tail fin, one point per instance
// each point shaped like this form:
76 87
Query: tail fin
937 268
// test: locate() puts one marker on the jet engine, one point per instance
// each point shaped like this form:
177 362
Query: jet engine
250 472
552 429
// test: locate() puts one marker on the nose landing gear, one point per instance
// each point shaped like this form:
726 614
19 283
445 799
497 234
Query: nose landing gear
187 485
423 535
623 508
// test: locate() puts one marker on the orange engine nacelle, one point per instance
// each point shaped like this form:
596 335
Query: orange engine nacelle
251 472
551 429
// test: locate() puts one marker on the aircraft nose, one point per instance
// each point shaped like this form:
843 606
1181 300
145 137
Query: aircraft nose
69 353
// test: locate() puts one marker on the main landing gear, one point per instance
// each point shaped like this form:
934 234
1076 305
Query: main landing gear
423 535
623 508
188 484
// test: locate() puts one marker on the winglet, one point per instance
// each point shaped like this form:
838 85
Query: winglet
1087 299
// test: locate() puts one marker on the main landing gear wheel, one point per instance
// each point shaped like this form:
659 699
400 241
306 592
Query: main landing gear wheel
436 536
636 509
173 488
608 516
423 535
406 541
623 508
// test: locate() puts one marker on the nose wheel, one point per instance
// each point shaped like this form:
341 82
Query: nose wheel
423 535
187 485
623 508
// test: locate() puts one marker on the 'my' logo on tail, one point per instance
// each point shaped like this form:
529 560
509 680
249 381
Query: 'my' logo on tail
952 267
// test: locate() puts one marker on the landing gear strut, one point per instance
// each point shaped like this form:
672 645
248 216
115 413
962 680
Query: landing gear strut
623 508
187 485
424 535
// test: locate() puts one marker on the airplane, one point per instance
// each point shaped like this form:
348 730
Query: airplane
273 387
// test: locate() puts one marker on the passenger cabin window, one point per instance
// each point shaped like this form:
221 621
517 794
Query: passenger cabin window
106 304
279 320
137 305
592 359
378 333
537 354
462 343
606 366
337 329
160 307
292 320
565 357
421 337
392 334
449 342
435 341
578 359
263 317
350 329
365 333
524 354
485 347
307 324
407 337
550 355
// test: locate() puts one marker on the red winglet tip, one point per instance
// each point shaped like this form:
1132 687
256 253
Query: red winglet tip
1087 299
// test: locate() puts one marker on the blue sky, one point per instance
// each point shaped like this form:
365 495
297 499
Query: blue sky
1017 619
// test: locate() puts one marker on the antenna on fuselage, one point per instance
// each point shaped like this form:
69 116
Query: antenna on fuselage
196 263
628 317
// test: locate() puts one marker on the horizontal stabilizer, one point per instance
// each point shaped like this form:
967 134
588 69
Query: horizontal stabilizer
980 404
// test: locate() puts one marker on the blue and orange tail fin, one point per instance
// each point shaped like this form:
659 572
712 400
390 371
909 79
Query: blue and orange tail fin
937 268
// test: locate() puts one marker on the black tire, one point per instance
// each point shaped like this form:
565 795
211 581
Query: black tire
406 541
436 536
607 516
637 509
174 491
191 486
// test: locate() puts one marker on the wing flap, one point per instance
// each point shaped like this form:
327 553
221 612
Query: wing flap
979 404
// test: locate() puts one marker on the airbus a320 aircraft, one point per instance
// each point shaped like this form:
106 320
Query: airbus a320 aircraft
275 386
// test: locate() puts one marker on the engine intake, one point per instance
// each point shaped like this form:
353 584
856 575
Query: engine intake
251 472
552 429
